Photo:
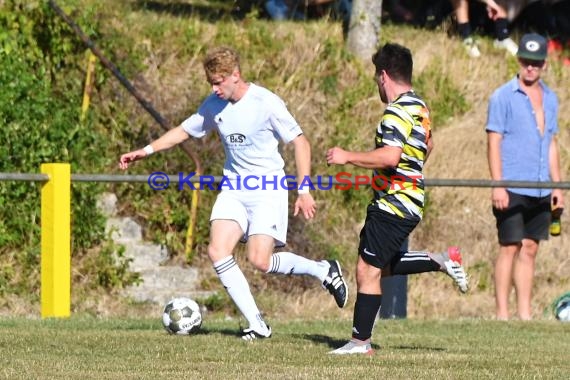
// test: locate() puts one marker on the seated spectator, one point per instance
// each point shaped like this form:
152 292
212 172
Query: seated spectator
301 9
550 18
420 13
398 11
557 28
432 12
280 10
495 13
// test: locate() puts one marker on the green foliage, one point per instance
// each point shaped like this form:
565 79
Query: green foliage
445 100
218 302
16 268
483 270
112 268
39 111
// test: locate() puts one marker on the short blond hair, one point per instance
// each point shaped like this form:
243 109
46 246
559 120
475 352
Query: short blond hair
221 61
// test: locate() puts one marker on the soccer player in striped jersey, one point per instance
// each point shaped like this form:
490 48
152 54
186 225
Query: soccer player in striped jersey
402 145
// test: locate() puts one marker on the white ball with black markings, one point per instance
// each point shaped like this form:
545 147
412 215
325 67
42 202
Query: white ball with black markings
181 316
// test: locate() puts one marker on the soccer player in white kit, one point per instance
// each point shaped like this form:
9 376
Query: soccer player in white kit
252 205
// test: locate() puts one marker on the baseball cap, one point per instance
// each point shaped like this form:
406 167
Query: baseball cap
532 46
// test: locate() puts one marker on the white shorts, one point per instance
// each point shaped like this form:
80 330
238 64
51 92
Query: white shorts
262 212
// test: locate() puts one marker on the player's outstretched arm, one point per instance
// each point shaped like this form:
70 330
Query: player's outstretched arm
135 155
379 158
171 138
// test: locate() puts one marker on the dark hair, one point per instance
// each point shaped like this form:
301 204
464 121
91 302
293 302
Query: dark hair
396 60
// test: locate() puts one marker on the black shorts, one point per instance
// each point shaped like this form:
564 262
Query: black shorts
525 218
382 236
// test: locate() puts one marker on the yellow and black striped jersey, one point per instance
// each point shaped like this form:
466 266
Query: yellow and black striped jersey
405 124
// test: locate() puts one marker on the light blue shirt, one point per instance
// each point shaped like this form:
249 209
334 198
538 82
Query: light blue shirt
524 152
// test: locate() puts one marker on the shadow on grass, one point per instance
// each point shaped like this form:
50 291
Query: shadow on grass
419 348
332 343
327 340
336 343
229 332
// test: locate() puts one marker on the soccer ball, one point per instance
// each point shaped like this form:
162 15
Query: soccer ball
181 316
562 308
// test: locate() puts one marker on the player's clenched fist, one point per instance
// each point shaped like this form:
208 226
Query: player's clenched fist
337 156
127 158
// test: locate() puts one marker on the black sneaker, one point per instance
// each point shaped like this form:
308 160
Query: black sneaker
335 284
250 334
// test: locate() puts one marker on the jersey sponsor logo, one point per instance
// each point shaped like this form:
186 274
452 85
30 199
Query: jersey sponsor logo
235 138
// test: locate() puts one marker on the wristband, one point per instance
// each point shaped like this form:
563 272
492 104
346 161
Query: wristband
303 191
148 149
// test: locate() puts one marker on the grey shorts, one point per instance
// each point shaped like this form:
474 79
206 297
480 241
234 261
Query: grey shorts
525 218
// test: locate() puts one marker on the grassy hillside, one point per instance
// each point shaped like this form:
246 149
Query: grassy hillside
159 45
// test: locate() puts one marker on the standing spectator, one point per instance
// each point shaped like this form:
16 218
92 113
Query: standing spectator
495 13
403 142
521 132
252 206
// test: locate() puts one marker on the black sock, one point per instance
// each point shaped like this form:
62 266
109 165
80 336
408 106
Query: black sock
414 262
501 28
365 314
464 30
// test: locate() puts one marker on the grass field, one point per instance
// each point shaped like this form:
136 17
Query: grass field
91 348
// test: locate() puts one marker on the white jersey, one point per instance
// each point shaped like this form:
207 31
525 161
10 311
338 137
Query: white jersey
250 130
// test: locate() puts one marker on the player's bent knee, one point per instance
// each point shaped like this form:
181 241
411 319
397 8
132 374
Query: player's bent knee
216 254
260 263
260 259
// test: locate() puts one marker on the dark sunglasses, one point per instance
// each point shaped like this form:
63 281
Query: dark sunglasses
531 62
